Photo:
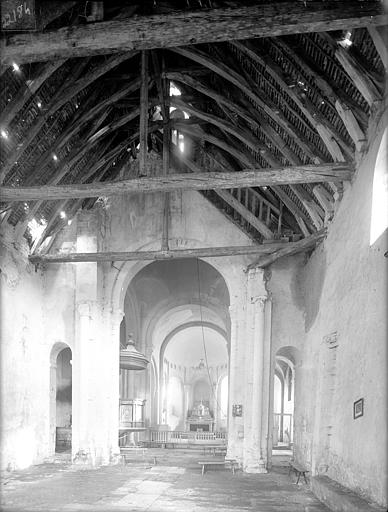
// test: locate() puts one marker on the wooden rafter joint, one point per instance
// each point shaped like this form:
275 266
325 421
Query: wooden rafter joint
306 244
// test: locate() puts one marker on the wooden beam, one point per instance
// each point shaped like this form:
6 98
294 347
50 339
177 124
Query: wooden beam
27 91
84 115
202 252
143 114
328 133
247 215
325 199
379 36
301 218
244 113
250 90
355 70
64 93
291 248
243 135
327 92
314 210
163 87
203 181
183 28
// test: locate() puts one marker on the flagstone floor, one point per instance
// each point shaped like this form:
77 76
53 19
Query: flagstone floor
174 484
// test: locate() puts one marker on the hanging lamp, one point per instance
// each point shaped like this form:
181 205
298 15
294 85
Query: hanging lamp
131 358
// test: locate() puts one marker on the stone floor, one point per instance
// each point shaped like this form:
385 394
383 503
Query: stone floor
175 483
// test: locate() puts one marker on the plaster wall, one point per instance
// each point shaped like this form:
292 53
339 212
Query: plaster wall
344 284
24 427
37 310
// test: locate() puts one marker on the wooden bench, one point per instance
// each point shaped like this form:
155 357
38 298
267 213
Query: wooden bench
128 452
298 470
127 458
214 448
226 463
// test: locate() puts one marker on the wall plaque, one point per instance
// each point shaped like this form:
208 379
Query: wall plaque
358 408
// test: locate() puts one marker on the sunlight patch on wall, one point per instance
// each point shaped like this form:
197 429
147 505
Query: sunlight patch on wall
36 228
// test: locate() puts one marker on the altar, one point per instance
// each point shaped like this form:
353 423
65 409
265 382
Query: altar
200 419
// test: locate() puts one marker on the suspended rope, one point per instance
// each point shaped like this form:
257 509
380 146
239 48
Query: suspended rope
203 339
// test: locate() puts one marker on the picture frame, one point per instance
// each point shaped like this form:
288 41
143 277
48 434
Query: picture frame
358 408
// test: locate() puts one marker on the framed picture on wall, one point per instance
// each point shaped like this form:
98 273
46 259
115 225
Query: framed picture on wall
358 408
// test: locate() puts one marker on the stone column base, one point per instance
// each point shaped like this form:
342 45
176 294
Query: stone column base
256 467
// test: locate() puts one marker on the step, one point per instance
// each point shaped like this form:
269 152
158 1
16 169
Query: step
339 498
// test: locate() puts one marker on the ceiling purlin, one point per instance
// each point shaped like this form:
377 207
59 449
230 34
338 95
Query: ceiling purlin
309 204
28 133
26 92
93 165
65 92
63 142
239 133
299 95
320 52
353 118
242 84
272 94
268 134
37 208
355 70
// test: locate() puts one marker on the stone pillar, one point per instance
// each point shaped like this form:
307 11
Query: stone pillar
186 402
81 369
256 404
95 362
235 397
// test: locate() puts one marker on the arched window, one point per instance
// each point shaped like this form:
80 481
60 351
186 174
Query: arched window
177 138
379 217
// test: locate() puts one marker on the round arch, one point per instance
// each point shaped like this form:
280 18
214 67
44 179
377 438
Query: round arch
128 270
56 349
173 333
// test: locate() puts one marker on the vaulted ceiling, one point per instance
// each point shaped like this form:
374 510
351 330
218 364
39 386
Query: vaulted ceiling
262 107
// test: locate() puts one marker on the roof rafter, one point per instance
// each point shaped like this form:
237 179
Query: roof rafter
329 135
62 96
240 82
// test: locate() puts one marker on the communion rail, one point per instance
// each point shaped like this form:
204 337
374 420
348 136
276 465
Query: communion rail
183 437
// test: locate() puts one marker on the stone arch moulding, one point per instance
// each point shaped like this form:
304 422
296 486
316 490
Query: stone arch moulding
170 307
187 325
129 269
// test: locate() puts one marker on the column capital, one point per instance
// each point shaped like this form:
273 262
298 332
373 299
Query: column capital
233 308
254 272
84 308
117 313
260 300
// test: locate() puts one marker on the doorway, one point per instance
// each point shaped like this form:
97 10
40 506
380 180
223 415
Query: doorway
63 401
